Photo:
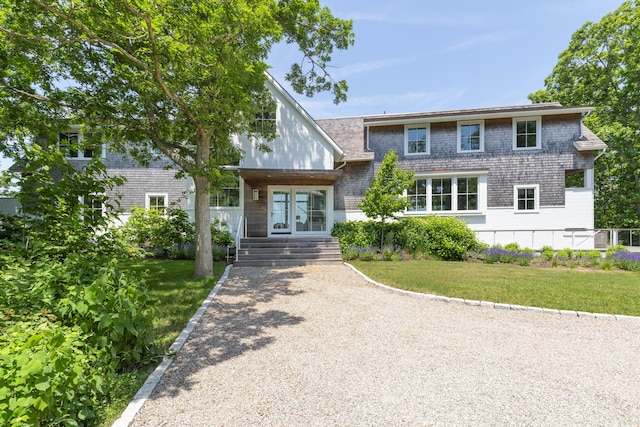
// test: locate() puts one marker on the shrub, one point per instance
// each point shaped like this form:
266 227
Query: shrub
355 233
512 247
626 260
351 253
495 254
413 235
391 253
449 238
368 254
547 253
614 249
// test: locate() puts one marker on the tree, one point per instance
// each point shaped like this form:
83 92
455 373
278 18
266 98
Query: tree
385 196
601 68
180 76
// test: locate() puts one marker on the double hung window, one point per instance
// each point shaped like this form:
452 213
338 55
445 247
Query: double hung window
416 139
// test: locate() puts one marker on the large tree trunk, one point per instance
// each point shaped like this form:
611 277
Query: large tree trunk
204 258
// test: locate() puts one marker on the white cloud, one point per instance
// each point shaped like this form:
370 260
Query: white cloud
365 67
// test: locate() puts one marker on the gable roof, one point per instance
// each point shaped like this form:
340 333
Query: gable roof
350 134
338 152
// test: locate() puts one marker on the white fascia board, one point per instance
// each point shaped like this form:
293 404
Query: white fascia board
474 115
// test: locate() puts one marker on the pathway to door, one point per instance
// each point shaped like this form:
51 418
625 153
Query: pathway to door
320 346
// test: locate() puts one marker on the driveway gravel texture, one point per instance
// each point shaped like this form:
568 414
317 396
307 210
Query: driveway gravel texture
320 346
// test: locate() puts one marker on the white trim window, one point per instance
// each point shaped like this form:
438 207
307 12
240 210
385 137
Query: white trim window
462 194
93 208
156 201
71 144
471 136
526 198
527 132
228 196
416 139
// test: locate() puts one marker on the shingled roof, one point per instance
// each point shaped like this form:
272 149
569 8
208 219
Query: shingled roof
588 141
349 134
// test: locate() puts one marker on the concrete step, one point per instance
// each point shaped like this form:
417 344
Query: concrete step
288 251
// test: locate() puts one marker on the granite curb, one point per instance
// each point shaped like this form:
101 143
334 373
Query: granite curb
495 305
150 384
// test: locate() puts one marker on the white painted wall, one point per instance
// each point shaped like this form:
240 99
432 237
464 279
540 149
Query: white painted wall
299 143
569 226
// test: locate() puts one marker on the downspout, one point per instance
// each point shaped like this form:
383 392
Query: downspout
344 163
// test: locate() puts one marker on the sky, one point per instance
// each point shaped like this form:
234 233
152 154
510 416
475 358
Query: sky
430 55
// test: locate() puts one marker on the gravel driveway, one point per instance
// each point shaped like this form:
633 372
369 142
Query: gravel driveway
320 346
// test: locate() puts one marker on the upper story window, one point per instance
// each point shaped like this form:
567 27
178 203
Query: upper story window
71 144
416 139
441 194
228 195
471 136
157 201
527 133
526 198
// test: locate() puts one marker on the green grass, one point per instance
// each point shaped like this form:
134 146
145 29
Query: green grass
176 295
596 291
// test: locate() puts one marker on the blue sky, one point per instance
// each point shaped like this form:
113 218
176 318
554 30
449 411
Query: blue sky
417 55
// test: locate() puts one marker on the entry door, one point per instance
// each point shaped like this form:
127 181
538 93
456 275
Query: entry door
281 211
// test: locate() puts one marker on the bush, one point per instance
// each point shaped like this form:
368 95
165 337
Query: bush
68 326
495 254
614 249
547 253
626 260
355 233
449 238
413 236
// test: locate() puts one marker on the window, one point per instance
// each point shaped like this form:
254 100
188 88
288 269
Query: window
526 198
157 202
92 211
468 194
470 136
417 196
71 144
526 133
228 195
416 139
441 194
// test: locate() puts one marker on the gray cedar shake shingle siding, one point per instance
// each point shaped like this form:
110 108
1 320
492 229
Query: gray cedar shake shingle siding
155 179
504 166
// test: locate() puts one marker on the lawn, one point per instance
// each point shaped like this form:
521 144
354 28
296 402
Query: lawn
176 295
590 290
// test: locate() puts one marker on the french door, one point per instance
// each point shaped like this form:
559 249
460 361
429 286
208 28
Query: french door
299 210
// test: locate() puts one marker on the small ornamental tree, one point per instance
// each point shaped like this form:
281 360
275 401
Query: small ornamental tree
385 196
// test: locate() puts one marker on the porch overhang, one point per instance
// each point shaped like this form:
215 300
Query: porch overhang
289 176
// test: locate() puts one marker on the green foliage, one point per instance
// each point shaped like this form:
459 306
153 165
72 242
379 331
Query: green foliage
187 110
614 249
414 234
547 253
601 68
385 196
47 375
355 234
449 238
78 321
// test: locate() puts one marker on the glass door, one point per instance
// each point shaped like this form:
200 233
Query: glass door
281 211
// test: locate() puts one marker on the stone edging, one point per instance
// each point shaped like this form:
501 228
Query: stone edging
494 304
150 384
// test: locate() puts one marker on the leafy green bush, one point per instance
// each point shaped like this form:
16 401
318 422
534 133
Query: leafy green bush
547 253
449 238
355 233
615 249
80 321
48 375
413 236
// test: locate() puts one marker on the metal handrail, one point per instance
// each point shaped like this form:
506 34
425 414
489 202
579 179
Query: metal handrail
240 233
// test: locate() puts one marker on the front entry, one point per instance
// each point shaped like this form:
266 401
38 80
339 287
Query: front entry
300 210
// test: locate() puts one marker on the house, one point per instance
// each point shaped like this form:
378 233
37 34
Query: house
520 174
